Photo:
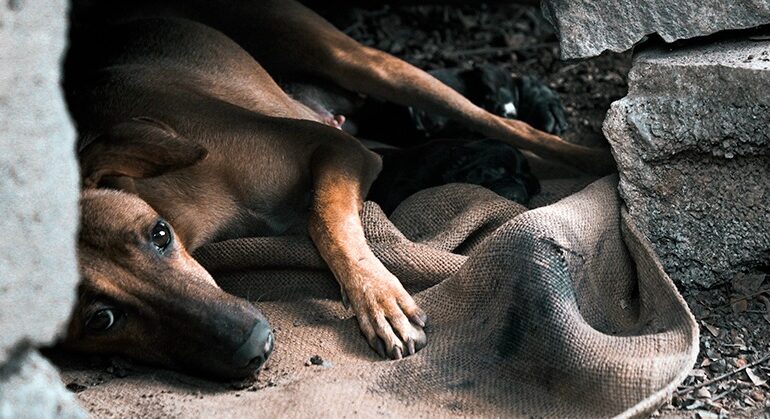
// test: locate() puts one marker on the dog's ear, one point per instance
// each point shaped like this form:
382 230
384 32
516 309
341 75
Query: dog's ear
139 148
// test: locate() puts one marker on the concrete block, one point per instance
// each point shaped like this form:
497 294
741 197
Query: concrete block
38 176
30 387
693 149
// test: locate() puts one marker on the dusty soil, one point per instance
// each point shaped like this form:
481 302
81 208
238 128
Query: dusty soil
515 37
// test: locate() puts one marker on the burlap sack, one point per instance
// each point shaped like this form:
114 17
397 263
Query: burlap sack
559 311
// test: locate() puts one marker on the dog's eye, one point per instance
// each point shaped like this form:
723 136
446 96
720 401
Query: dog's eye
102 320
161 236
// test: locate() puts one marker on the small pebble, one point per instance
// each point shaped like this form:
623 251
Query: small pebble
703 414
703 393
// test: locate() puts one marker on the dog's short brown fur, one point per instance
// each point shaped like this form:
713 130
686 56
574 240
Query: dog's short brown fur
189 124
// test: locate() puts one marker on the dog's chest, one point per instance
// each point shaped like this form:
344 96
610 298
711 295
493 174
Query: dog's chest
261 222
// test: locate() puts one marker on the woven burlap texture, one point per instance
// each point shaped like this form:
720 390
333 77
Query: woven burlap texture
559 311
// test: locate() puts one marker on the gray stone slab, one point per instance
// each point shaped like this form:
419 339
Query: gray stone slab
588 28
38 176
30 387
692 141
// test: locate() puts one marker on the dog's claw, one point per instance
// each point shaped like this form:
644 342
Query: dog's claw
397 353
419 318
380 348
410 347
345 301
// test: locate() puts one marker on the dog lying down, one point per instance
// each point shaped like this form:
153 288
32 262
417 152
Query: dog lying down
185 139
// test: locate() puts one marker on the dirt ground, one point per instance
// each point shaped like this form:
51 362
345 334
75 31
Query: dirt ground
730 376
735 332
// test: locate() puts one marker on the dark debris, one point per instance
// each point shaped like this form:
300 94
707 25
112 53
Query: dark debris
76 387
735 334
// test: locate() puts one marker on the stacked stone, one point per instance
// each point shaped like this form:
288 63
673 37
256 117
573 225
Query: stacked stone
692 138
38 208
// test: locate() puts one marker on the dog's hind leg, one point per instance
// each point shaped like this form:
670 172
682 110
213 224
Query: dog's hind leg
290 38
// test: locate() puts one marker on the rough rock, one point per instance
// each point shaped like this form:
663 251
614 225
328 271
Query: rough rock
693 149
38 176
38 204
587 28
30 387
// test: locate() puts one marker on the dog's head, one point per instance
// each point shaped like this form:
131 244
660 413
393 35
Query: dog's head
142 295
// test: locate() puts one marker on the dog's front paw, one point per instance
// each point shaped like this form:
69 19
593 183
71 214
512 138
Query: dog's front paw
388 316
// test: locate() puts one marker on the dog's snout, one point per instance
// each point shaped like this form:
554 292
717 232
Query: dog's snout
257 347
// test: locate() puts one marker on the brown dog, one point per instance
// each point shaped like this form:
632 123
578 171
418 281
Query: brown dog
187 123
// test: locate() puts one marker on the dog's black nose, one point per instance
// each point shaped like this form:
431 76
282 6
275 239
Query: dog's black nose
257 347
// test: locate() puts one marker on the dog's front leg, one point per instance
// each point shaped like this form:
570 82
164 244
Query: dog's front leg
388 316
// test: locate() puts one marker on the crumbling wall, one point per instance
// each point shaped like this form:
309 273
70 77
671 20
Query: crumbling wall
38 208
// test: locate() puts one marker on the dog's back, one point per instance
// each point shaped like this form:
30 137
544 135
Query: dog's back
207 89
155 66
